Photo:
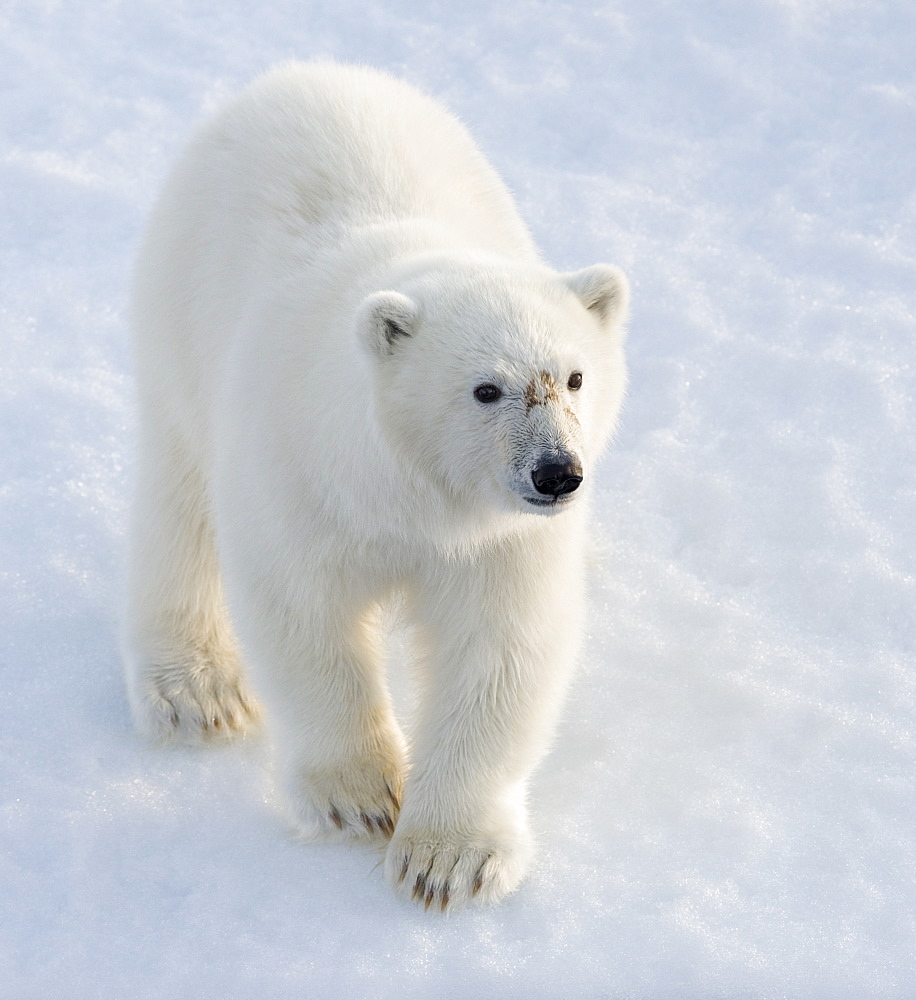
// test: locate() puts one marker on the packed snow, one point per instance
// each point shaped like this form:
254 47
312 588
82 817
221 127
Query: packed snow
730 808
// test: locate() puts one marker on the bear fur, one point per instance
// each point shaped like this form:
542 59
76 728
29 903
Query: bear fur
353 371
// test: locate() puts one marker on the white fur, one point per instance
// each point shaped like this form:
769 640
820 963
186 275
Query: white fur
332 270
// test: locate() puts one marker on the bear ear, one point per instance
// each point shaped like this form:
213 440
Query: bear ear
603 289
385 319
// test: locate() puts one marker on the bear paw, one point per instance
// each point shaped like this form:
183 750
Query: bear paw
205 704
449 872
357 801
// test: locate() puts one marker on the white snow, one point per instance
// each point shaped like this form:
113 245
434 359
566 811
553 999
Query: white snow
730 810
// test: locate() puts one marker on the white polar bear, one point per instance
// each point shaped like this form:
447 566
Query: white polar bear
357 383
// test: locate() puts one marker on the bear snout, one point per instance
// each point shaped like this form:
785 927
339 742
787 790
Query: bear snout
554 478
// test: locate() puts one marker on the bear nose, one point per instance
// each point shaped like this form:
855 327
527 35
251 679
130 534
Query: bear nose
557 478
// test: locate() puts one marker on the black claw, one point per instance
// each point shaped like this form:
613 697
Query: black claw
404 868
478 878
367 822
419 888
336 818
430 895
445 898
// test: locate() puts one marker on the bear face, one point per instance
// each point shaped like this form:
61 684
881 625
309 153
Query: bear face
501 384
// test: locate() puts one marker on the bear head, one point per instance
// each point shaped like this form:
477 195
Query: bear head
500 382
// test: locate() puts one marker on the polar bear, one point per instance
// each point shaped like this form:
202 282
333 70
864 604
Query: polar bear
358 383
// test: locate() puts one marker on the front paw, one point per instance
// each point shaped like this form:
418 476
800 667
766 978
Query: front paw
356 800
449 870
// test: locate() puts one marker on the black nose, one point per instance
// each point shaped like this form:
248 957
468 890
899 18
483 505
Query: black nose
555 479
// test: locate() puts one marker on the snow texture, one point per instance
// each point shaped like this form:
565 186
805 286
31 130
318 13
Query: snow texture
730 810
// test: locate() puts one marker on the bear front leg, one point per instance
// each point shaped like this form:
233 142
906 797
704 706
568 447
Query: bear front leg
501 636
340 756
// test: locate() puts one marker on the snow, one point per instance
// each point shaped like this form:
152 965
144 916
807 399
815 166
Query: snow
730 810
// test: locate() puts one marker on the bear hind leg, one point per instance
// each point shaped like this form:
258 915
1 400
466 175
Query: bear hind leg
184 675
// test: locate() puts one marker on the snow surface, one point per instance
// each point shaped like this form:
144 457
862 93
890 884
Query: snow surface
730 808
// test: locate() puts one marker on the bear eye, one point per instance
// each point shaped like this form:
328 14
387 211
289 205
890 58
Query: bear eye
575 380
487 393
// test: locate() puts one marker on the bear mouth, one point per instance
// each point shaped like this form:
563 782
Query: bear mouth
563 498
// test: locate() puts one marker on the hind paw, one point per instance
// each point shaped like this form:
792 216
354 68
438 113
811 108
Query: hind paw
201 704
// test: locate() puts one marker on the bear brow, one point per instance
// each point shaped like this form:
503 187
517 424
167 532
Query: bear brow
531 395
548 394
550 388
